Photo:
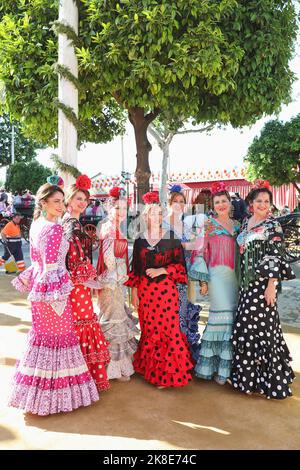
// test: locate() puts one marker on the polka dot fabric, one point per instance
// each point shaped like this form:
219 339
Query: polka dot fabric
93 345
261 359
163 355
52 375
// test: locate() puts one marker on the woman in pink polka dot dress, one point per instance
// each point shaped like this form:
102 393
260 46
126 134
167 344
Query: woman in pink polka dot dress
52 375
92 342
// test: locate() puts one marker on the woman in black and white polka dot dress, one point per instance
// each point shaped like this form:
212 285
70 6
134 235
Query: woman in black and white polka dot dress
260 355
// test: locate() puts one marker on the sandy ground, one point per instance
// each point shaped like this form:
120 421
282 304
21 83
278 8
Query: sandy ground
135 415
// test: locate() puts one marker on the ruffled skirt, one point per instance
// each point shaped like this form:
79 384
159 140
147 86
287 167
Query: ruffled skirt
52 376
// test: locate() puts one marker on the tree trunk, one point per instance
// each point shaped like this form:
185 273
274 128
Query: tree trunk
67 93
143 147
296 186
164 170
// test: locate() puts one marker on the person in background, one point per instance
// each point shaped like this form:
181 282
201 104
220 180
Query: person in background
239 207
189 313
17 200
285 210
3 197
98 209
11 235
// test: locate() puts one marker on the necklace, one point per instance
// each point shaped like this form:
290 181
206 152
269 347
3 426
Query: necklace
228 225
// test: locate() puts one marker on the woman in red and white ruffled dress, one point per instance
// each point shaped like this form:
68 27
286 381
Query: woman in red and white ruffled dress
92 341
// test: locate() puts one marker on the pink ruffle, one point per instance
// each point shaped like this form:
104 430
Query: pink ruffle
26 275
53 341
52 384
51 286
47 402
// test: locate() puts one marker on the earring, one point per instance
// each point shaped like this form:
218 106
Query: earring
44 213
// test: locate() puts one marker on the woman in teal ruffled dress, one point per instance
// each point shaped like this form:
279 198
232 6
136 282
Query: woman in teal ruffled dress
213 264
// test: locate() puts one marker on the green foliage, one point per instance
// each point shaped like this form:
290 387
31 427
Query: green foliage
28 58
26 175
25 149
64 167
217 61
275 154
212 60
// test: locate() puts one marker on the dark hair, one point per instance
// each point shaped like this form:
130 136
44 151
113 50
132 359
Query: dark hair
221 193
43 194
255 192
17 214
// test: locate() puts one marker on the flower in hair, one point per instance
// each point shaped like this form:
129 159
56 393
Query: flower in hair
259 184
176 188
218 187
152 197
55 180
83 182
117 192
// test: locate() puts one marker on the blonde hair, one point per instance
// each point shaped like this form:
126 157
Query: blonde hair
72 191
44 193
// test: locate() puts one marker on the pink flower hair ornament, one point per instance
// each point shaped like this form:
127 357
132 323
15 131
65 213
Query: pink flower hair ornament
260 184
218 187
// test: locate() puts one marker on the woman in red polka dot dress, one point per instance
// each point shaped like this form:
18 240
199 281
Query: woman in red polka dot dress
158 265
92 342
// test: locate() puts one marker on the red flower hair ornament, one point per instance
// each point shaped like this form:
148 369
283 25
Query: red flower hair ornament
83 182
152 197
260 184
116 192
218 187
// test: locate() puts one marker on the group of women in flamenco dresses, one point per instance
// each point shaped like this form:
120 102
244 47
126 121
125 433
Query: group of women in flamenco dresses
72 353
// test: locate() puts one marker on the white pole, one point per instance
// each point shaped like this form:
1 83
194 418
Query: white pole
12 144
122 153
67 92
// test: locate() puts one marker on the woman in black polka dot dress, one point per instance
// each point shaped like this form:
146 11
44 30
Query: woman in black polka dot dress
158 265
260 355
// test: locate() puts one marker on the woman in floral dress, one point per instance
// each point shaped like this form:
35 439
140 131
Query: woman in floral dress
261 359
117 322
93 344
214 265
52 375
158 266
189 313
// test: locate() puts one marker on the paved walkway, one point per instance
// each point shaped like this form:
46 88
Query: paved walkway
135 415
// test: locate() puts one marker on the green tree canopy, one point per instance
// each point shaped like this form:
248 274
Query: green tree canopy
26 175
25 149
275 154
223 61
